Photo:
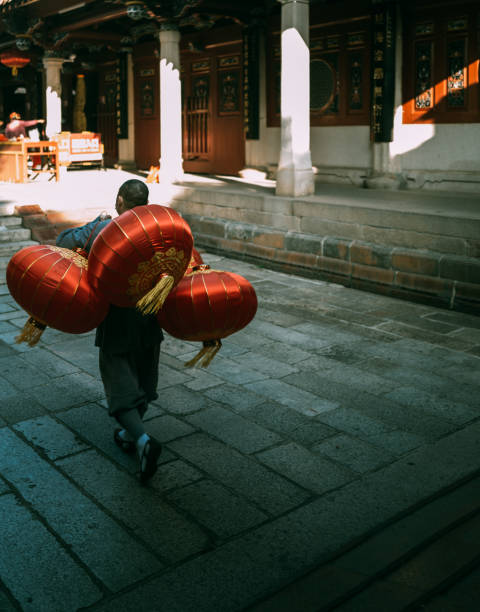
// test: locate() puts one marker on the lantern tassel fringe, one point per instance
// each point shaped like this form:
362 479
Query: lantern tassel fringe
205 355
31 332
152 301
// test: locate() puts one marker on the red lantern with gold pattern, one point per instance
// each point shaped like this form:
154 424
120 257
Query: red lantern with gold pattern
140 256
51 284
208 305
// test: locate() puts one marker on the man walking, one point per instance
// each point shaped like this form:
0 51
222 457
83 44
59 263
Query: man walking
129 344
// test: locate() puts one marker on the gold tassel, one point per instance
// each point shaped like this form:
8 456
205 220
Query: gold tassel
205 355
31 332
152 301
211 354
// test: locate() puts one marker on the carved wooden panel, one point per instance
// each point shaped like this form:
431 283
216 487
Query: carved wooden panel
339 72
441 64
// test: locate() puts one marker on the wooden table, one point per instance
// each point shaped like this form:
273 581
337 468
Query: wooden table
15 155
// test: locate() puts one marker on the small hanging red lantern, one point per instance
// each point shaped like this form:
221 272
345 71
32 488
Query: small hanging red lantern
208 305
51 284
14 59
195 260
140 256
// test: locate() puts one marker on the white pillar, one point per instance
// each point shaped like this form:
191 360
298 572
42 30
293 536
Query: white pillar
171 168
53 95
295 173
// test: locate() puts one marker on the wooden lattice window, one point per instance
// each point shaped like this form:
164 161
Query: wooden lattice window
441 51
339 73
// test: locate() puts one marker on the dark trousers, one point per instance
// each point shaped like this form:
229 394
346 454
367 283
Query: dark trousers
130 379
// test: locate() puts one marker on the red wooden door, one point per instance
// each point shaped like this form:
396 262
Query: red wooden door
147 107
106 113
212 105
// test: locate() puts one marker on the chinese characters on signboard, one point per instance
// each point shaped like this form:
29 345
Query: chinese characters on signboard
251 77
383 66
121 97
147 102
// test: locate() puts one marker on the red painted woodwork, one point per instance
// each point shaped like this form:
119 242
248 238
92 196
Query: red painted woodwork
147 105
340 42
212 99
106 113
440 55
51 284
137 250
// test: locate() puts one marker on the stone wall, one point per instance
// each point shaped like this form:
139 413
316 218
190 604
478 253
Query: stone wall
421 257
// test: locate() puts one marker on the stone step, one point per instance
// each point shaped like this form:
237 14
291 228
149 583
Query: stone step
11 221
7 249
7 208
406 563
395 220
461 597
15 234
425 575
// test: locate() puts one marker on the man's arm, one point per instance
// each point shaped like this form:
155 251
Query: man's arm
31 122
78 236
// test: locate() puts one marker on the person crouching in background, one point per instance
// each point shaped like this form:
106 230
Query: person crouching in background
16 127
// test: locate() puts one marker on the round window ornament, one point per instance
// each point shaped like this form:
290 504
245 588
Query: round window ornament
322 85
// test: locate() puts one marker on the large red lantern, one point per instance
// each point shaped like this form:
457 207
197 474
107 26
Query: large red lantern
208 305
140 256
51 284
14 59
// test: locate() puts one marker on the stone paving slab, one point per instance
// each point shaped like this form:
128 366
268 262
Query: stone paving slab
333 413
242 474
50 437
40 574
174 538
101 544
461 596
215 507
284 547
234 430
98 433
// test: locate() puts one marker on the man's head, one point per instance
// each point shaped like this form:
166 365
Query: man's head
14 116
132 193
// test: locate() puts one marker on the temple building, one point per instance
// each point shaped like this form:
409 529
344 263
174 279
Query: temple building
364 93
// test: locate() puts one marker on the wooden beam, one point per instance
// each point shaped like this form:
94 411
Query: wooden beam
94 35
94 19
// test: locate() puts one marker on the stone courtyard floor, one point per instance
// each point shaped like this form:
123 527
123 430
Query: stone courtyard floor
328 458
334 439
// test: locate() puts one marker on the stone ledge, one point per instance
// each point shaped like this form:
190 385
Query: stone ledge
418 275
460 268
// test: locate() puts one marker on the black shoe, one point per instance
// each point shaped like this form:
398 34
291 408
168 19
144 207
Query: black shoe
148 459
127 446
